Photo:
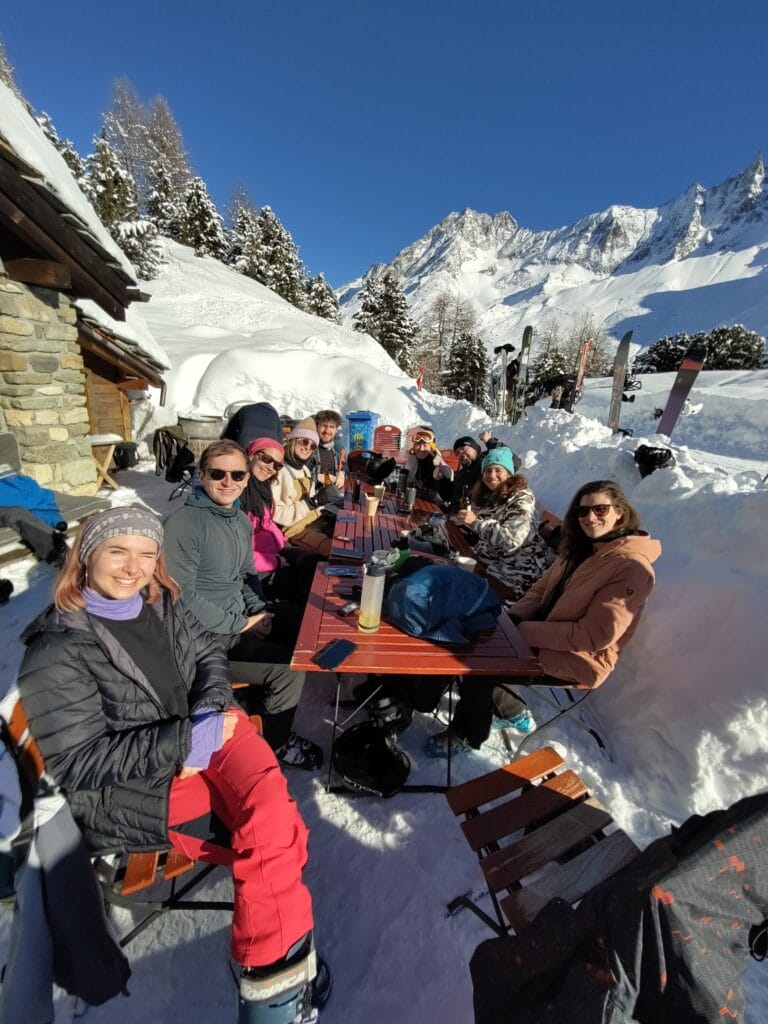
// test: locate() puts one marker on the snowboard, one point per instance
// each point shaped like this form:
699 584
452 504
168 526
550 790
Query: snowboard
518 402
574 392
693 360
619 376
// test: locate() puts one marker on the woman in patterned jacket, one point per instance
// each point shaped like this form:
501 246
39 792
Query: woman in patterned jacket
504 521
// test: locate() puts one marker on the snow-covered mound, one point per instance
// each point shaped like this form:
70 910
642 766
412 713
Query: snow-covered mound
695 262
233 340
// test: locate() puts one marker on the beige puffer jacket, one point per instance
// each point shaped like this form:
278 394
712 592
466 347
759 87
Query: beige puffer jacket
290 491
596 614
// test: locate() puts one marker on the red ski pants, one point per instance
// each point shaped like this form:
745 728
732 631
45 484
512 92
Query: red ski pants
245 788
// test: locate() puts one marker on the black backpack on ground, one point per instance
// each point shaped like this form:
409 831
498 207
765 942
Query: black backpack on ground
172 454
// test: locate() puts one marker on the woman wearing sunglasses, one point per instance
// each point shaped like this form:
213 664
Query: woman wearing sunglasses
298 508
285 573
581 613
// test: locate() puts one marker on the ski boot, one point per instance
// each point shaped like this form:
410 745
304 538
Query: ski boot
290 991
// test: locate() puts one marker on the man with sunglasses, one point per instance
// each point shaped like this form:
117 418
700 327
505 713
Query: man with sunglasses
427 471
208 548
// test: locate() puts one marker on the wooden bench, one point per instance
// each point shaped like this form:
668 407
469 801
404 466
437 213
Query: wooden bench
74 508
121 875
538 834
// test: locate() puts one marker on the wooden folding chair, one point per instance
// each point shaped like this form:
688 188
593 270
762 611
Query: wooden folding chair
547 838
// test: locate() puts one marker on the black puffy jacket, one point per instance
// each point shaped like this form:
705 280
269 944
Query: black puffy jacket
103 731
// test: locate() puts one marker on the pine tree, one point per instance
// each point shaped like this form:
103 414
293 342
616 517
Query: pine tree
109 186
138 240
282 269
125 128
201 227
321 299
448 315
665 354
467 370
367 318
64 146
244 249
8 76
733 347
397 331
164 203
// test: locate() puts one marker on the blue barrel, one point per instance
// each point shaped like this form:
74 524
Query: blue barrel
361 428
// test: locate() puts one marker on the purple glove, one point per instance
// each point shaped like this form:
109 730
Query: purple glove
207 734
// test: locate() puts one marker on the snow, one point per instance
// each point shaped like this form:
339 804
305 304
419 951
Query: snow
27 138
684 717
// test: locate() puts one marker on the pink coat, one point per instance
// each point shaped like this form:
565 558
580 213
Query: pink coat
598 611
268 542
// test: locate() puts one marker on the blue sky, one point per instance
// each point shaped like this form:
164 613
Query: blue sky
363 124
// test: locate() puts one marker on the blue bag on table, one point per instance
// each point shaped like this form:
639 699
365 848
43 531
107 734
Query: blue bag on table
442 603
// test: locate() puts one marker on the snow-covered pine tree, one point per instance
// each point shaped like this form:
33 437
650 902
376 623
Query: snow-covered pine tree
8 76
367 318
124 125
164 203
283 270
109 186
64 146
397 331
244 249
665 355
467 370
733 347
321 299
138 240
201 226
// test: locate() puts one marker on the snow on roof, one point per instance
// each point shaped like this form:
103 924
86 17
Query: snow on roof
133 334
27 139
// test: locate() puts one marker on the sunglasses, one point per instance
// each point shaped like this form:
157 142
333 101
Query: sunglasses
305 442
601 511
268 460
238 475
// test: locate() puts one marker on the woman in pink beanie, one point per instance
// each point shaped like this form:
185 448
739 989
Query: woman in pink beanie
281 571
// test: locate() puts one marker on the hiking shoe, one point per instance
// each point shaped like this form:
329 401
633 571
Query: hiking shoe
524 722
437 745
300 753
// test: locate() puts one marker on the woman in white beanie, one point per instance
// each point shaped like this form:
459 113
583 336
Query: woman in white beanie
297 510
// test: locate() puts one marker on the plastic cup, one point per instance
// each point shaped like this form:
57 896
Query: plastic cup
379 491
371 505
466 563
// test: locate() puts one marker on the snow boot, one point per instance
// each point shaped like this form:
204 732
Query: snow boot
282 992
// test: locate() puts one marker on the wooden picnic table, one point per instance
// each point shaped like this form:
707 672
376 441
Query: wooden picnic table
356 536
501 651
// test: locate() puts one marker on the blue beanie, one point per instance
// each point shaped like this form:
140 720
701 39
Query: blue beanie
500 457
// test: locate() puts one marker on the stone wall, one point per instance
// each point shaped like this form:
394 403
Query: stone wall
42 387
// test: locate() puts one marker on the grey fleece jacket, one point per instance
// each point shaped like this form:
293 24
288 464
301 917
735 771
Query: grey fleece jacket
209 553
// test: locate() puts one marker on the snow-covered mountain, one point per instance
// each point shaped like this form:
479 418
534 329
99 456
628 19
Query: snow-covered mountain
695 262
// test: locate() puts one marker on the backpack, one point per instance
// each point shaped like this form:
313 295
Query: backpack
125 455
442 603
172 454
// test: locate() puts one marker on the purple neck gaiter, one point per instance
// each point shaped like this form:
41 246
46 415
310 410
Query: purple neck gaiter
121 610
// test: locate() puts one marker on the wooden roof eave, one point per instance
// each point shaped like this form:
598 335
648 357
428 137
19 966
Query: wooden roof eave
110 351
27 213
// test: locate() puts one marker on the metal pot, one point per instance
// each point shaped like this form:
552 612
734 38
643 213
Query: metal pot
203 427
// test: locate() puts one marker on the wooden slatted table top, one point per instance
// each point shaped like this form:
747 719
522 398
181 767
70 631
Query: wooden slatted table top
500 652
356 536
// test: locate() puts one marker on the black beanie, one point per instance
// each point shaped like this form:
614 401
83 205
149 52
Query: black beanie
469 441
